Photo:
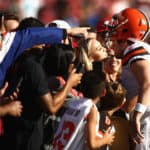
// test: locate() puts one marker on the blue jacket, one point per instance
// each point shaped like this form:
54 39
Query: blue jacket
16 42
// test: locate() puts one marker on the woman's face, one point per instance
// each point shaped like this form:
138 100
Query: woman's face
112 64
96 51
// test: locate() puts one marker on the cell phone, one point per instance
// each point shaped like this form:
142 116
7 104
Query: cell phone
79 68
13 85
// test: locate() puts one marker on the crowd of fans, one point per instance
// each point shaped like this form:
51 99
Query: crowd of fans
65 81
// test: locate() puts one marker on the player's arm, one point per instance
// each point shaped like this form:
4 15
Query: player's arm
141 70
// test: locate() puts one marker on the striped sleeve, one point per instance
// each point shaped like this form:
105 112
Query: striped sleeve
136 54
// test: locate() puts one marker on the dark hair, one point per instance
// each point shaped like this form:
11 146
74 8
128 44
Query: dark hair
58 57
52 24
30 22
8 16
97 66
92 84
115 94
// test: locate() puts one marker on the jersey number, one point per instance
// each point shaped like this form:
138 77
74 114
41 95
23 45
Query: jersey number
63 137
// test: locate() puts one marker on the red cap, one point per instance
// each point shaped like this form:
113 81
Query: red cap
102 25
74 44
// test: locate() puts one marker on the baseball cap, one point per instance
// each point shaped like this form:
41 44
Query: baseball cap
59 24
102 25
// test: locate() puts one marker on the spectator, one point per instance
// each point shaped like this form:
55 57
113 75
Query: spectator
112 66
88 51
110 103
81 118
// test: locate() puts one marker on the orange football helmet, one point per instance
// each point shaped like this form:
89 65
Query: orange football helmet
129 23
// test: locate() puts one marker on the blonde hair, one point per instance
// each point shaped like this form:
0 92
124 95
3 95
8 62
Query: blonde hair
83 54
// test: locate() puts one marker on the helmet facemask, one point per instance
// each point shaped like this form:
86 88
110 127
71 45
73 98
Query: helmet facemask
129 23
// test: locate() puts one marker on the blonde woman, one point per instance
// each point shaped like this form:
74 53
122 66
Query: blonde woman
89 51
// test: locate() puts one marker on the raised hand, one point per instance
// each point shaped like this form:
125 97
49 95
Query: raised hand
74 78
135 130
109 137
14 108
